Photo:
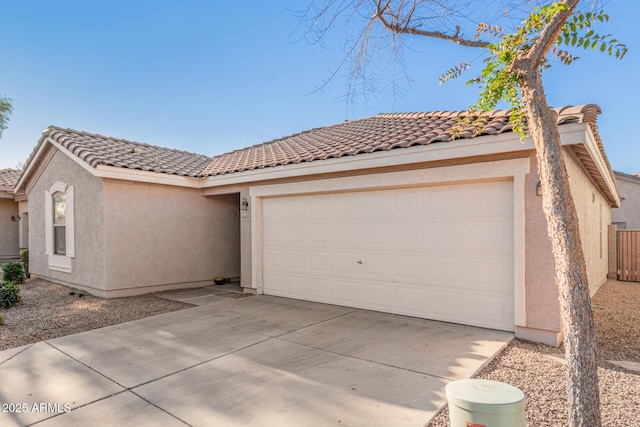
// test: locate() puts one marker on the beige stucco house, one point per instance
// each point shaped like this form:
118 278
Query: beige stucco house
387 213
9 217
627 216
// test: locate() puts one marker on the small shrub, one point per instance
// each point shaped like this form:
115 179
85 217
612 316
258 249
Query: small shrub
14 272
9 294
1 320
24 257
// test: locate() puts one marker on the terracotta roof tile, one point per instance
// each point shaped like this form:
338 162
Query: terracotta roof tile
8 177
104 150
378 133
383 132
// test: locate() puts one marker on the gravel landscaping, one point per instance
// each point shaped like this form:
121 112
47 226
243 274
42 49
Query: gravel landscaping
539 371
48 311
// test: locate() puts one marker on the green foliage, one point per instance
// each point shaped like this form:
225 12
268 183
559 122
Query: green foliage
9 294
14 272
24 257
454 72
5 111
499 80
1 320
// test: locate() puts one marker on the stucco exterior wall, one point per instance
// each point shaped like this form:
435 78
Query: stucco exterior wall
162 237
9 239
543 313
594 215
87 268
629 210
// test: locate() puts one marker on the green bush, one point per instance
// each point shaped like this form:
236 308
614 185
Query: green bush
14 272
24 257
9 294
1 320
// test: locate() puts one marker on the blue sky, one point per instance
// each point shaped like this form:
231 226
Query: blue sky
211 77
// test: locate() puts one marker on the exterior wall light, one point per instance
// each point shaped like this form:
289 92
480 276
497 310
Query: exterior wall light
539 189
15 218
244 205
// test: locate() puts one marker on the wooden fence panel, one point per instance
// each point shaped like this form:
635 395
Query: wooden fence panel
629 255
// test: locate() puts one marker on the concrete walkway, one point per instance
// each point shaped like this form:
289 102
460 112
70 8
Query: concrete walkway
256 361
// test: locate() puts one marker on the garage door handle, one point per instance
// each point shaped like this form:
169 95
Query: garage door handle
359 262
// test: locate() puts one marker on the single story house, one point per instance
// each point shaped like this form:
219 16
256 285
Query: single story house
433 215
9 216
627 216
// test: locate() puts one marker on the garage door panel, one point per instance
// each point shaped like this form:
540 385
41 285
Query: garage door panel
319 289
447 304
445 201
319 234
486 272
374 265
407 235
407 203
346 263
444 236
375 295
490 311
410 300
275 259
488 198
493 235
297 261
275 234
345 292
375 234
275 283
346 235
319 207
320 262
296 234
347 206
296 286
407 267
375 205
436 252
444 269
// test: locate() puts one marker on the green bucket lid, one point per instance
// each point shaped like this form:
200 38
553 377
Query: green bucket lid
485 396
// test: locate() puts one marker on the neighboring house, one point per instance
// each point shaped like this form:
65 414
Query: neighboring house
627 216
9 216
386 213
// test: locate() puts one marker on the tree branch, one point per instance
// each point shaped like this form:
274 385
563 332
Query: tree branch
406 29
549 35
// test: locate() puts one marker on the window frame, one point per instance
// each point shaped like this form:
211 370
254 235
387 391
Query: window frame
59 261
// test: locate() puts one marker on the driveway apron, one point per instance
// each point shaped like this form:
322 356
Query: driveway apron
255 361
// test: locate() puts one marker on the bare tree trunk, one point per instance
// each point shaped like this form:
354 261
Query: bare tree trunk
571 274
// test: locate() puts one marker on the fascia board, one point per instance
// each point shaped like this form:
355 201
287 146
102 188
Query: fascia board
114 172
73 157
489 144
43 146
594 151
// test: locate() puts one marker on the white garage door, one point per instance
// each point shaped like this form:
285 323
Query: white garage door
438 252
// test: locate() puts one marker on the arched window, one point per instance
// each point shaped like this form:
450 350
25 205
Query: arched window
59 226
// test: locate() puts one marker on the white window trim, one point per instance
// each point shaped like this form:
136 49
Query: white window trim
59 262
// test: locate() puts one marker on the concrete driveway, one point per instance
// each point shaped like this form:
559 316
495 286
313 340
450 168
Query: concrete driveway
256 361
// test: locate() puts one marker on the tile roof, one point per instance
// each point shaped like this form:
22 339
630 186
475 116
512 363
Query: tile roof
383 132
8 177
105 150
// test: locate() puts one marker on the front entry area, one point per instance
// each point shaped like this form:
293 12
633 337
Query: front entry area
443 252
